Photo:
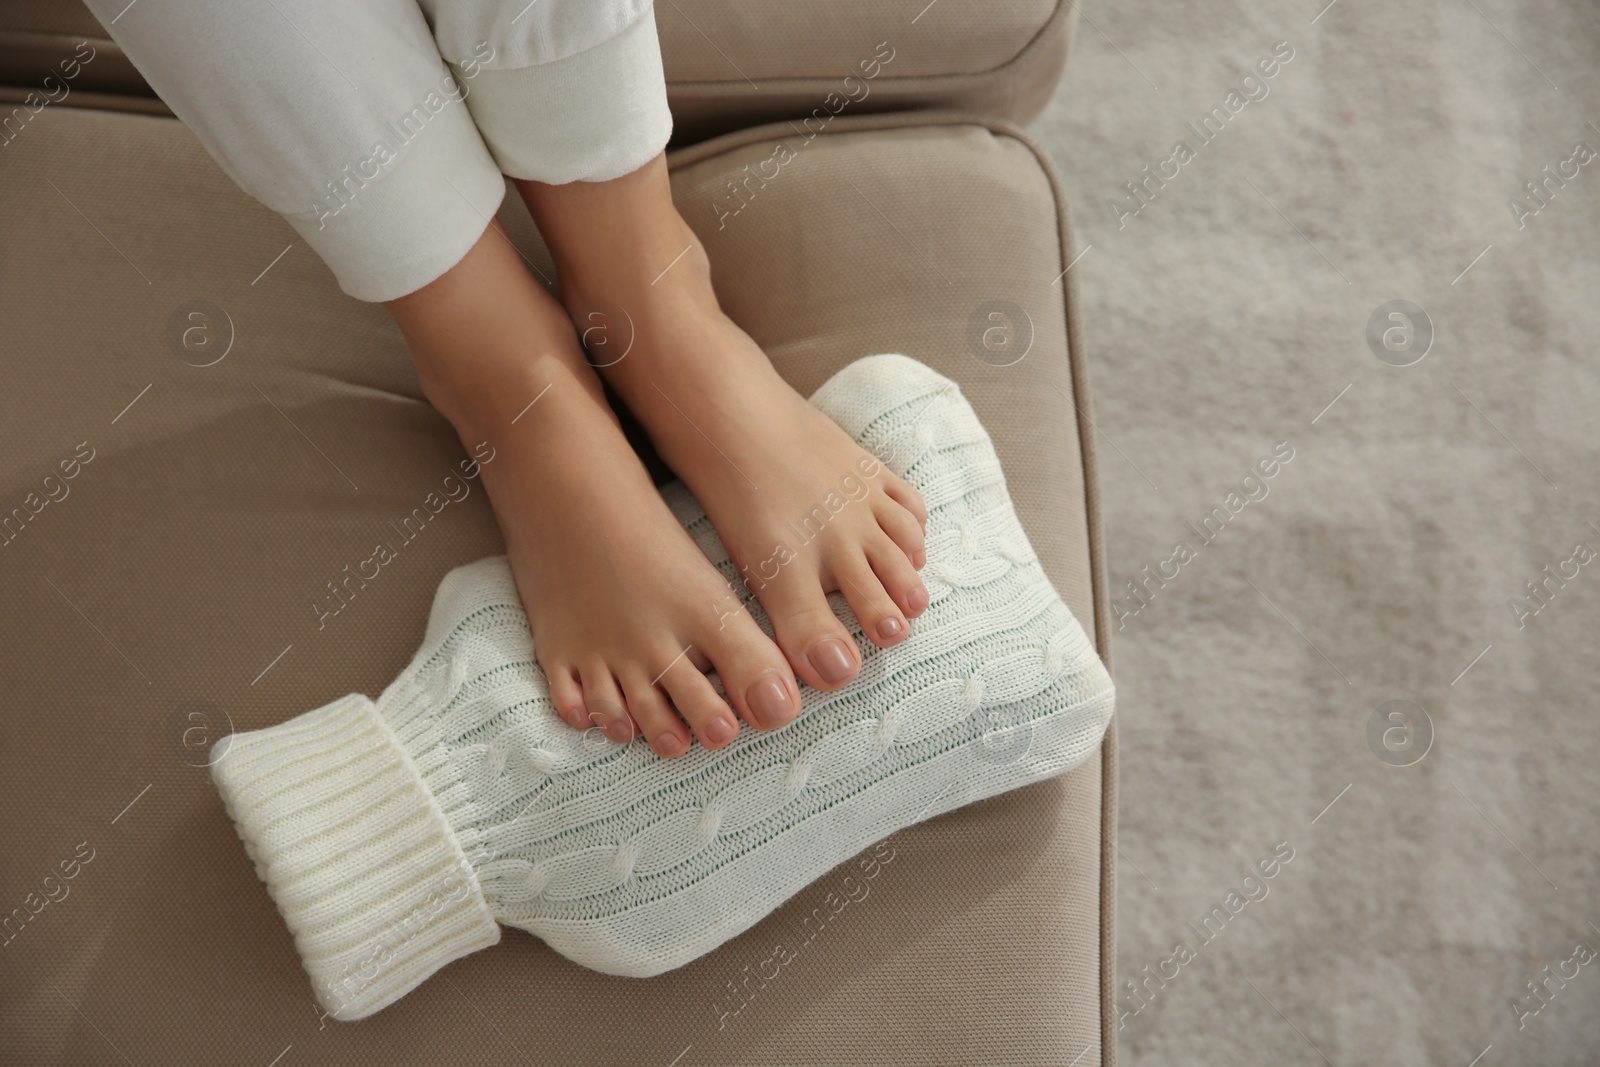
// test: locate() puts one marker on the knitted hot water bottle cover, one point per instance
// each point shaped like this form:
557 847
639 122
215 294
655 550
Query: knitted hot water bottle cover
396 835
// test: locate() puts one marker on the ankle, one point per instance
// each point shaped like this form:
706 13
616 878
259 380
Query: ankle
493 400
615 239
658 262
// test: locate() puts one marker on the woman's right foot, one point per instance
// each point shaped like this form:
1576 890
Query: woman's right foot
626 611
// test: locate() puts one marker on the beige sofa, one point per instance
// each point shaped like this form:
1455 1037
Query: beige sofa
162 594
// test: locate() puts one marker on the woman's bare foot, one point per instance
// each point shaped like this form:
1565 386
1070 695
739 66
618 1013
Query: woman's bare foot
802 509
626 612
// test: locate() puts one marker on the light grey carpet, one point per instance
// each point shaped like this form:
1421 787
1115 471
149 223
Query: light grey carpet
1226 317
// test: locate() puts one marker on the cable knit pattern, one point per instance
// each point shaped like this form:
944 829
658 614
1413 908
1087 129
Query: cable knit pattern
632 864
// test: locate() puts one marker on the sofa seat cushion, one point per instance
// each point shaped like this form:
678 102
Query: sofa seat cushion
205 437
728 64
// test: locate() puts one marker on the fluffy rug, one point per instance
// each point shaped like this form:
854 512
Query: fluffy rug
1348 414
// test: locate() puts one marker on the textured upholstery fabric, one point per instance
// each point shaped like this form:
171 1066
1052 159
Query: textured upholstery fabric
728 64
171 589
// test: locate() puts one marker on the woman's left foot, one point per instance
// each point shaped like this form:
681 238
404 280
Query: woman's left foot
802 509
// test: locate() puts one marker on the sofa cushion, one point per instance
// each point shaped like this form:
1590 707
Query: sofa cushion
728 64
199 434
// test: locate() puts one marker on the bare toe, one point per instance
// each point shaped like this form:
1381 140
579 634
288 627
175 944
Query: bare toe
881 619
602 703
900 523
698 702
655 717
567 695
810 634
906 495
754 673
899 577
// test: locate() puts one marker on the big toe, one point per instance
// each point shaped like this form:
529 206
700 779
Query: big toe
816 643
754 672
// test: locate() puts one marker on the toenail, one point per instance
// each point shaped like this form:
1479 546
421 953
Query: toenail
889 628
917 598
669 745
832 660
615 728
769 701
720 729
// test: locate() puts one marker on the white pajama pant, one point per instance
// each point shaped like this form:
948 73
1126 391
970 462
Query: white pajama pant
380 129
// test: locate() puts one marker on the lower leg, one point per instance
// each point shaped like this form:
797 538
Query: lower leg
802 509
484 333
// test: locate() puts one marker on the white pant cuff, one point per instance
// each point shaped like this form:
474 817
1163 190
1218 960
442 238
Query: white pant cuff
400 219
593 116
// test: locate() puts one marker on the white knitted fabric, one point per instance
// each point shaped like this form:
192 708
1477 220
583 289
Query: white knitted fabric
395 834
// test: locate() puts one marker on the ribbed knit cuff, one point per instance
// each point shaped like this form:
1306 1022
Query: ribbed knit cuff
593 116
356 852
